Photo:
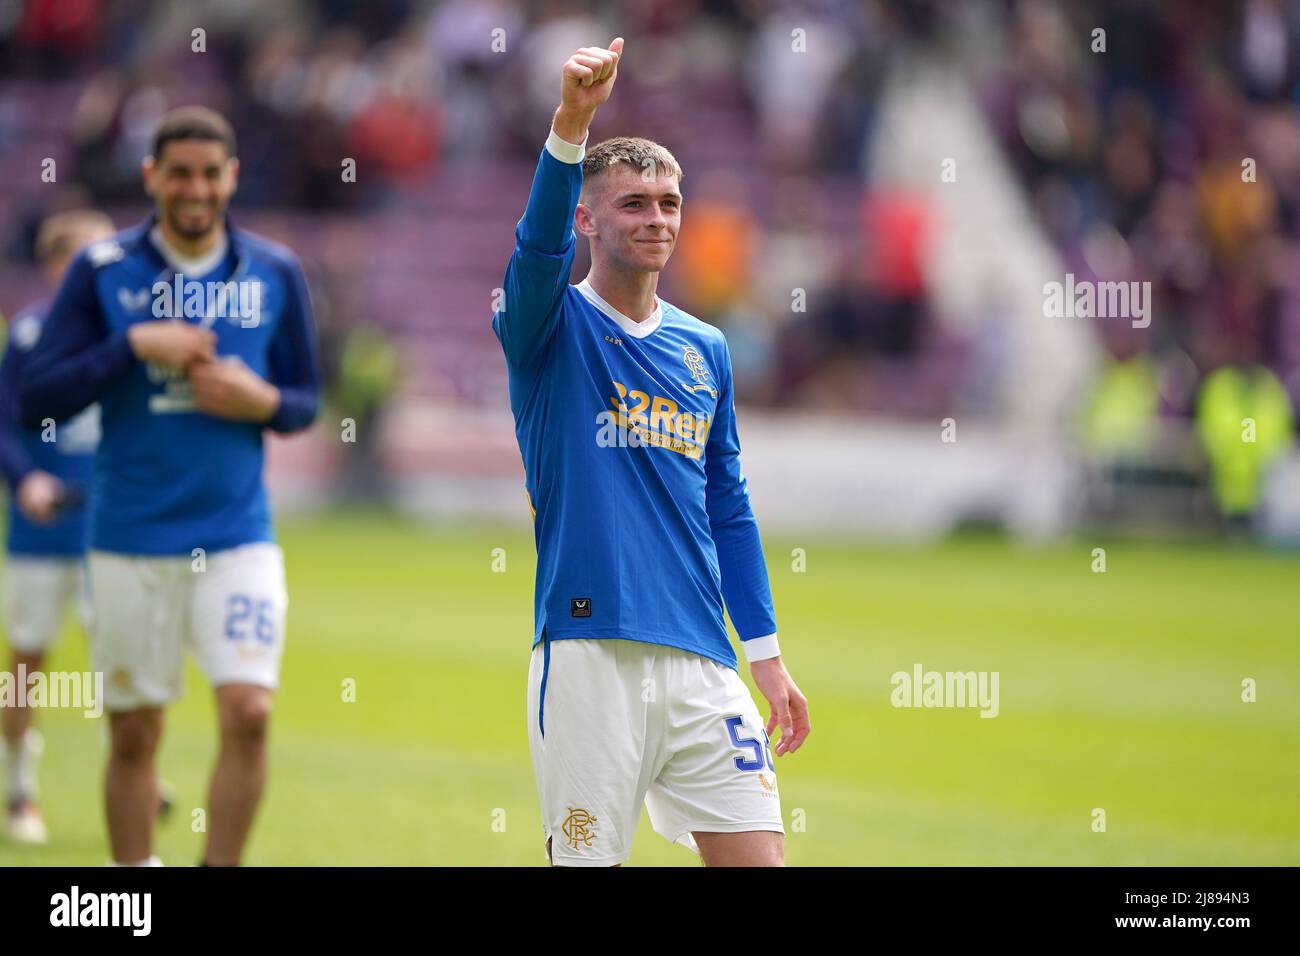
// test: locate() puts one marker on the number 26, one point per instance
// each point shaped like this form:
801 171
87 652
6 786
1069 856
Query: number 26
239 609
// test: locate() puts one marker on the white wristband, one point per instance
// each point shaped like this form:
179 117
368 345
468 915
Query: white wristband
565 151
761 648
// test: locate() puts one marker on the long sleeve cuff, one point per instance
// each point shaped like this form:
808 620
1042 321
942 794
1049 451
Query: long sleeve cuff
761 648
297 410
565 151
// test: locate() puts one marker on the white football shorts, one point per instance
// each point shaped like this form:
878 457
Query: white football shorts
231 614
36 591
615 723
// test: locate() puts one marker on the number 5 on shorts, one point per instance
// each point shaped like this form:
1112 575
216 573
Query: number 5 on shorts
756 763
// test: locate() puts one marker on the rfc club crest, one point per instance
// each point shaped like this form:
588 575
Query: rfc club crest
579 828
695 365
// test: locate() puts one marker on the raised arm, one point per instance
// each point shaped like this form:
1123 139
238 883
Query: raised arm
539 268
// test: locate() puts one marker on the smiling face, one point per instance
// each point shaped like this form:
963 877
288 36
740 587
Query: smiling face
631 221
191 183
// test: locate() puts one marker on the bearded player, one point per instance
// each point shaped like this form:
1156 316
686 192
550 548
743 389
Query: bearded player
623 412
195 337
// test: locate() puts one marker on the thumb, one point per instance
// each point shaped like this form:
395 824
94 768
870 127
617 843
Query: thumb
782 716
617 46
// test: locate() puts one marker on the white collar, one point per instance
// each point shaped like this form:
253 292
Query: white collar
638 330
193 266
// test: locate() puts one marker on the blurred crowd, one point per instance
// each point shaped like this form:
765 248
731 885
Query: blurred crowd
405 84
1160 142
1132 159
764 102
1136 161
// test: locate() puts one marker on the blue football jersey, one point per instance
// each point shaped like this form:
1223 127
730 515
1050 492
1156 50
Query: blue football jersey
169 479
642 518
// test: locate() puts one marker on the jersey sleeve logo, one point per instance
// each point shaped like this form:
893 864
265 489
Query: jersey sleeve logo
102 253
695 365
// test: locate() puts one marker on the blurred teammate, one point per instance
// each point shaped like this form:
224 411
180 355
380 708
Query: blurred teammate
623 412
48 471
181 548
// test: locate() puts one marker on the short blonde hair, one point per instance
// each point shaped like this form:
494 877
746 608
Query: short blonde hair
640 154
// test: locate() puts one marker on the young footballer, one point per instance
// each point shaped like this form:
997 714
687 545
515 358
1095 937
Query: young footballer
623 412
195 337
45 549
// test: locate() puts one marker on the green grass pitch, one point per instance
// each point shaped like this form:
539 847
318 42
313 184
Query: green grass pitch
1119 691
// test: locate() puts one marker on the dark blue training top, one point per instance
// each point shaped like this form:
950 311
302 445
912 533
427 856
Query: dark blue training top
169 479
